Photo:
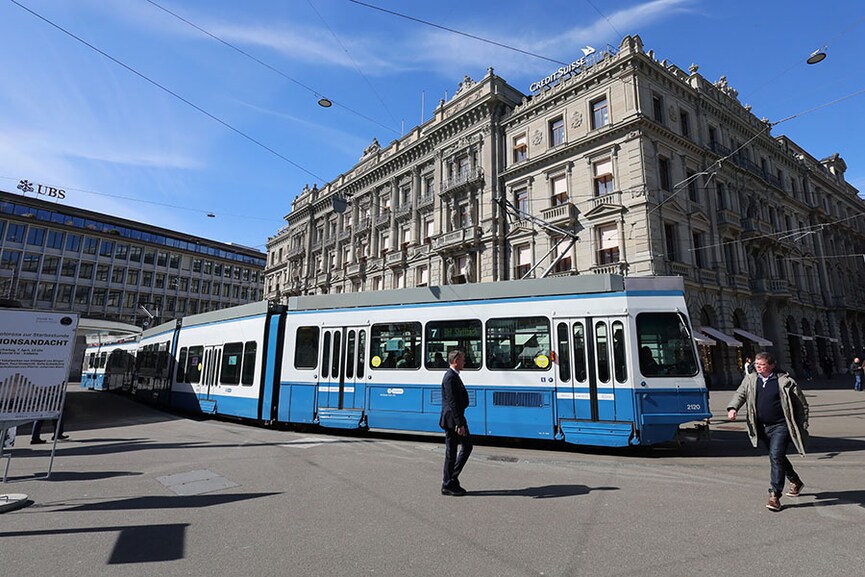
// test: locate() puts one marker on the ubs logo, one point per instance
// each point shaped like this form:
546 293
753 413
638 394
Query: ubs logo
26 186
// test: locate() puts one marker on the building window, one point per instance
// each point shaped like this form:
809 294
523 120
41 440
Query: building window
521 201
559 194
132 277
692 186
102 271
90 245
10 259
465 215
73 242
31 262
118 274
422 276
658 108
50 265
135 254
85 270
522 260
730 256
398 279
557 131
122 252
699 248
664 173
36 236
69 267
384 243
608 244
161 258
671 240
55 239
722 195
521 148
428 230
603 170
600 113
685 123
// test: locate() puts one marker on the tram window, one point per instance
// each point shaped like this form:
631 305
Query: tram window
193 365
102 356
445 336
521 344
232 355
306 348
247 377
564 352
669 343
181 365
91 361
394 346
337 352
361 351
579 353
349 356
325 356
620 367
603 351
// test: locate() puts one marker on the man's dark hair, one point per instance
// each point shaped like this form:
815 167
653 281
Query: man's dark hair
768 357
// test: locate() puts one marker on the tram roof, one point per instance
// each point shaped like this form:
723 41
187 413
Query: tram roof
581 284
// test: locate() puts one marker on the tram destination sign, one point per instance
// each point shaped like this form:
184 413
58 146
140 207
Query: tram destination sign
590 58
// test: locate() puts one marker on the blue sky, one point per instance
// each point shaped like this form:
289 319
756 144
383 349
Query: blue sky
72 118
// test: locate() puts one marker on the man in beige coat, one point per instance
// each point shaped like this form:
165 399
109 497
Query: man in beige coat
777 414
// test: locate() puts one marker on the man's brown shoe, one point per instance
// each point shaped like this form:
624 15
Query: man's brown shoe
774 503
795 489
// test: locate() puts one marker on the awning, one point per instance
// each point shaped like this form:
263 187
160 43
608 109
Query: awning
753 338
830 339
803 337
703 339
715 333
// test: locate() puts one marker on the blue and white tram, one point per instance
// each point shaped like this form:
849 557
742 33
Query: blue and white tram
226 361
596 360
154 363
109 366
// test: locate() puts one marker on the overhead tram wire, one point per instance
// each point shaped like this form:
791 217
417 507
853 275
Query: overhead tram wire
268 66
590 3
454 31
356 67
171 92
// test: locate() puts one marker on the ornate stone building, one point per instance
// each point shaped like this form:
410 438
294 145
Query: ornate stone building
619 164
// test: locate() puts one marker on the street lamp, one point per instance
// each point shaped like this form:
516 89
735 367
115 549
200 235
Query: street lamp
817 56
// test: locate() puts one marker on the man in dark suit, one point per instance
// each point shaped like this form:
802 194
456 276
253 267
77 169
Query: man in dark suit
455 400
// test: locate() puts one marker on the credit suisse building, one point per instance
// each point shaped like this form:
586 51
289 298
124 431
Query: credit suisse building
620 163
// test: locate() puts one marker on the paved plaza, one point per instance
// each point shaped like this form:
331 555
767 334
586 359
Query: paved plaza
137 491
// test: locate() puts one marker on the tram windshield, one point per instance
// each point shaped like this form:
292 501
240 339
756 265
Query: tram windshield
665 345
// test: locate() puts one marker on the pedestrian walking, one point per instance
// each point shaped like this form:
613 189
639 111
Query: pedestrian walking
856 371
455 400
777 415
748 367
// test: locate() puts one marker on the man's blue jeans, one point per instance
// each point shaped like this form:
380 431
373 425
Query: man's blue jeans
777 438
857 384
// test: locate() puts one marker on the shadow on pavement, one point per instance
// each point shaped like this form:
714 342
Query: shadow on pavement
544 492
168 502
135 543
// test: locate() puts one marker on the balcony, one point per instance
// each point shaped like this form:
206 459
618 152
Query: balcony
316 245
382 220
426 200
729 219
403 212
739 281
295 252
344 235
562 215
395 259
612 268
707 276
329 241
462 180
771 288
611 199
456 238
363 224
680 269
355 270
322 279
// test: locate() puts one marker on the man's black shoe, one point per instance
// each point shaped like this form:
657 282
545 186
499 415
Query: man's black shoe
453 492
62 437
37 441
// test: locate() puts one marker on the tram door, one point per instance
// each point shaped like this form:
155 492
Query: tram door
210 372
590 360
343 367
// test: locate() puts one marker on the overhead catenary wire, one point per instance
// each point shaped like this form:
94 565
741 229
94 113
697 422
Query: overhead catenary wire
315 92
170 92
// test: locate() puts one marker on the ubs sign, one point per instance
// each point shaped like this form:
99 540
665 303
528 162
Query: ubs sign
589 59
26 186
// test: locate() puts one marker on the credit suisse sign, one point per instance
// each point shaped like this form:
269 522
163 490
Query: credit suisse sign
589 59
